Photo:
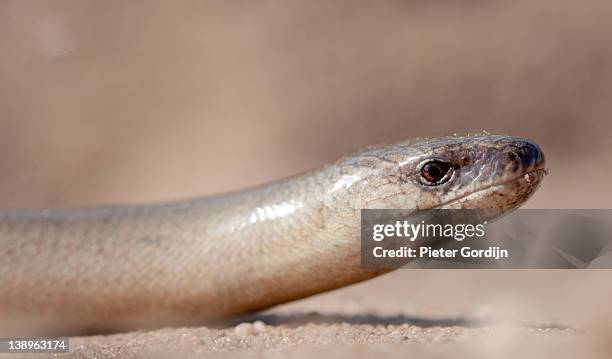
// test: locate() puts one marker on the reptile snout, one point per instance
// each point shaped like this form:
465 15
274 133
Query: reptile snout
525 155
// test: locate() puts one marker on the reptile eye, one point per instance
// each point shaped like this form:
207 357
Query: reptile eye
435 172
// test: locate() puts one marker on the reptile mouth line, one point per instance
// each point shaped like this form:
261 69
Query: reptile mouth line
526 176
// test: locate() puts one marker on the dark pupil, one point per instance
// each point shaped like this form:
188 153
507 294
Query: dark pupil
435 171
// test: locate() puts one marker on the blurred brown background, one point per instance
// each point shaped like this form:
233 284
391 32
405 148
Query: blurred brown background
125 101
129 101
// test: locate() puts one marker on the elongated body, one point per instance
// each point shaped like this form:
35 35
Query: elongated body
114 268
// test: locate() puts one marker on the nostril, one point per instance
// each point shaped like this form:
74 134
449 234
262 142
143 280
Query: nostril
527 153
531 154
524 154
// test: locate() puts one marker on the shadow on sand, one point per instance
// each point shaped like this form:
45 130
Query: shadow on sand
297 319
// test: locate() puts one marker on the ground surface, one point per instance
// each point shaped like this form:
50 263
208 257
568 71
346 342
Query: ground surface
338 339
409 313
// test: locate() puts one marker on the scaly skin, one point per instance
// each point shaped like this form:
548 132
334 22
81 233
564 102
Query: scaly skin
118 268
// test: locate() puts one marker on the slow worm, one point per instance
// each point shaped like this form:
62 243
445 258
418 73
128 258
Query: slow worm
182 263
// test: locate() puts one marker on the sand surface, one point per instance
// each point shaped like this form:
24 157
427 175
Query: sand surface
409 313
